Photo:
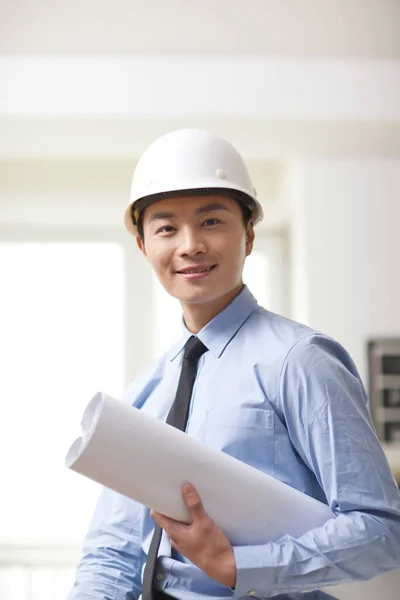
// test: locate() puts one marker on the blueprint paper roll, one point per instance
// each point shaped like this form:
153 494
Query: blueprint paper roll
129 451
138 456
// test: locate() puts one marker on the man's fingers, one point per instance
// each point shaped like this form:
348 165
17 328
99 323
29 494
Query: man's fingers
162 520
193 501
194 505
170 525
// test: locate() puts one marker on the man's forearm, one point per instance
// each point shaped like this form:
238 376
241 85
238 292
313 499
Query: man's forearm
107 573
337 552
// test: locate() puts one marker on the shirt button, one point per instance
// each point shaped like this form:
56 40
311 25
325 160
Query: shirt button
251 593
160 576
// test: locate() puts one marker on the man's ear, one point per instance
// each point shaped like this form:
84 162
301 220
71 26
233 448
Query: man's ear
140 244
250 236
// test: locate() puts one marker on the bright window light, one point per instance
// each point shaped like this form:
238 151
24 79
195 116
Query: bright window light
257 276
167 319
62 339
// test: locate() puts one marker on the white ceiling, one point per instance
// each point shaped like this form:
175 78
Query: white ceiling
57 166
341 28
126 139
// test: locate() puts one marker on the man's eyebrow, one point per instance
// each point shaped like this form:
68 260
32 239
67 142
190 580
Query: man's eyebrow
161 215
201 210
210 207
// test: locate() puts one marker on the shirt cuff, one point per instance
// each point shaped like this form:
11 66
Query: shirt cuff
255 571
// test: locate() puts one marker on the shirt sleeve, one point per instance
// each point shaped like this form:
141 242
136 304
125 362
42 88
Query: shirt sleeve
112 559
324 405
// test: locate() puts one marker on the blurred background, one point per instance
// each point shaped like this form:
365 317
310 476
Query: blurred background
308 92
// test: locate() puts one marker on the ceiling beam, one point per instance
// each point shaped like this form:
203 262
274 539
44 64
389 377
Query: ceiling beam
291 89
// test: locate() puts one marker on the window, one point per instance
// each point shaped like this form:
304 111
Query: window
62 339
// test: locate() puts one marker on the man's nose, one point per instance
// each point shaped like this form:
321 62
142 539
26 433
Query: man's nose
191 243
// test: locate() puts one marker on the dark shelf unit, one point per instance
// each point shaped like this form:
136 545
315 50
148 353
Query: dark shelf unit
384 387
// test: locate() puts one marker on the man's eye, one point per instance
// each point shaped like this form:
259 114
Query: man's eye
166 229
210 222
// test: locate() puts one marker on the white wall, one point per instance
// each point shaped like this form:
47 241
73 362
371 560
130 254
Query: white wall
345 249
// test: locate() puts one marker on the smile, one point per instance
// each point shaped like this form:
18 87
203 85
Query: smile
191 270
196 272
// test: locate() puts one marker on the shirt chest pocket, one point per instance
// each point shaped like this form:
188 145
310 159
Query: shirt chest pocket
245 433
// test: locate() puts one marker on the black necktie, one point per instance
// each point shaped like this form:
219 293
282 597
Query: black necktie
177 417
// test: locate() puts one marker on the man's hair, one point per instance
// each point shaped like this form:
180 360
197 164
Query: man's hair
246 216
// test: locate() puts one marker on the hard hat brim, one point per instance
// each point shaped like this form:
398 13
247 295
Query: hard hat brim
140 204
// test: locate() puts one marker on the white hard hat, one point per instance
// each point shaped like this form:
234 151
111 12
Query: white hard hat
189 162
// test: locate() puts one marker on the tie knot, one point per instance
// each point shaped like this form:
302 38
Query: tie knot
194 349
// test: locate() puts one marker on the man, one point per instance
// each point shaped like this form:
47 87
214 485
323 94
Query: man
271 392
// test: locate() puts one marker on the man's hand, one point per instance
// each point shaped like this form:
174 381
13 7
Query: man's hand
202 541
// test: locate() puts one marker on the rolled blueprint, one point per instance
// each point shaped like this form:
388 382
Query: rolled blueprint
129 451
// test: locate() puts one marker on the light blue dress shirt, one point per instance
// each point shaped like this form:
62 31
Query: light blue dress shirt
288 401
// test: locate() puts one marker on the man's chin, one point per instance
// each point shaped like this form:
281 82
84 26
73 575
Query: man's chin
195 299
193 296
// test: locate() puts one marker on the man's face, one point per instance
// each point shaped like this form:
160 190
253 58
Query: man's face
197 246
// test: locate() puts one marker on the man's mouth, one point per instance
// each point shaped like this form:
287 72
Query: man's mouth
194 270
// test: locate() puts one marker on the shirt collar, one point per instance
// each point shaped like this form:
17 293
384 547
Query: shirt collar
217 334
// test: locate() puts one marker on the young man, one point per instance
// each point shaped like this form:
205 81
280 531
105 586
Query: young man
271 392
